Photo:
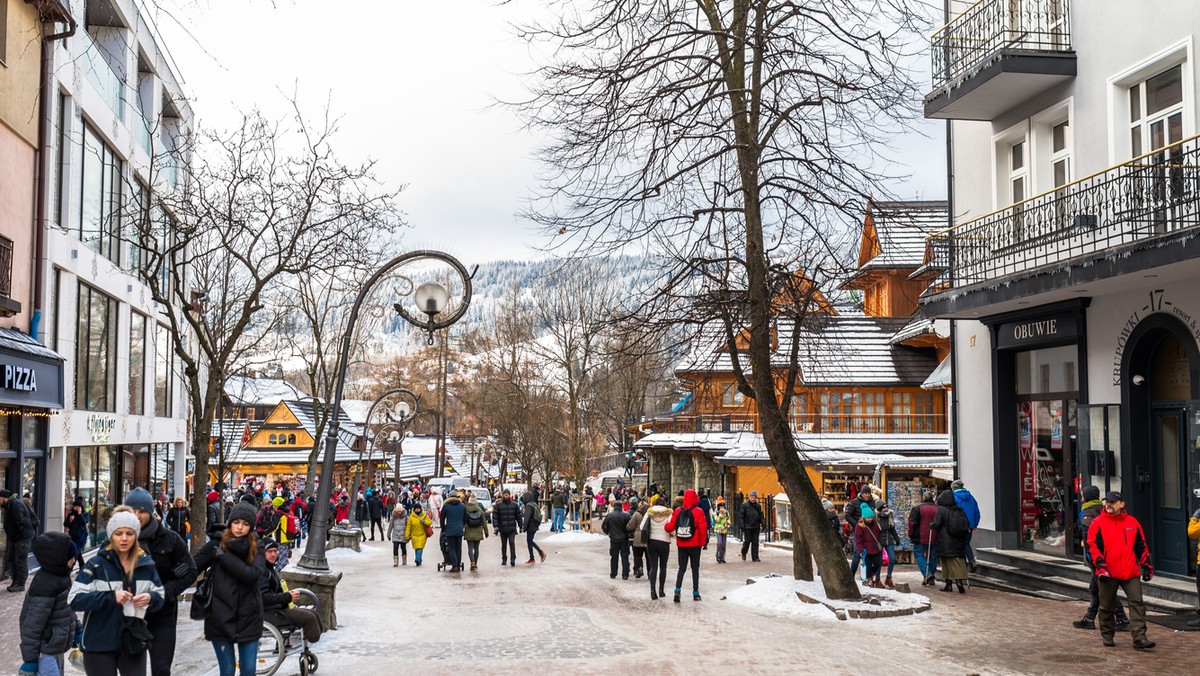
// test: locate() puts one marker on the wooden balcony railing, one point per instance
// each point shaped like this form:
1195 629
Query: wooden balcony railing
988 27
896 423
1151 196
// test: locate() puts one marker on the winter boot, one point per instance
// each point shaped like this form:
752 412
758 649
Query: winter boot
1122 621
1085 623
949 586
676 596
395 561
662 592
474 566
961 588
889 583
653 593
404 559
695 595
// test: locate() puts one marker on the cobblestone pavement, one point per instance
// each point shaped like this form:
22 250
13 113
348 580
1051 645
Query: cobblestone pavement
567 614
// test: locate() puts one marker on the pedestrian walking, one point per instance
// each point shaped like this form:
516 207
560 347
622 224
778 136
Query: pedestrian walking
953 532
970 507
417 531
396 532
176 571
76 525
638 537
361 512
532 519
658 548
615 526
558 505
1122 560
601 503
691 532
47 622
213 509
506 519
235 615
920 520
750 520
277 603
177 518
114 591
889 538
19 533
868 538
452 523
835 522
853 514
375 512
721 528
475 529
1091 508
284 534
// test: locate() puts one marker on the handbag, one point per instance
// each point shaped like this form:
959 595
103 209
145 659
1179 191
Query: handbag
202 597
428 531
135 636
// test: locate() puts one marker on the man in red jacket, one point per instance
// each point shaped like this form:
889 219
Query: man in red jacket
1120 556
691 534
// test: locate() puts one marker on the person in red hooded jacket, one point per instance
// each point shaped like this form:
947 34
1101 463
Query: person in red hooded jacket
1121 560
690 544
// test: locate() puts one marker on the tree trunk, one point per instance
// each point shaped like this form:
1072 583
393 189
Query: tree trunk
802 566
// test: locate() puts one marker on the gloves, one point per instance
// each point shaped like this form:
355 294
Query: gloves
1102 572
180 570
1147 572
28 668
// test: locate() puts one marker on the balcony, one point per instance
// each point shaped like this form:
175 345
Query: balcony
102 76
8 306
997 54
1146 202
898 423
141 132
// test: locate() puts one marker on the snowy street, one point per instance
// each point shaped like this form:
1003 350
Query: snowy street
567 614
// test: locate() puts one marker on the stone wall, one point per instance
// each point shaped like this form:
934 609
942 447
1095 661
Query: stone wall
683 473
708 474
660 470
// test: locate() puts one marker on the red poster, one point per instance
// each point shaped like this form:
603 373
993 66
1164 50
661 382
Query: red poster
1028 469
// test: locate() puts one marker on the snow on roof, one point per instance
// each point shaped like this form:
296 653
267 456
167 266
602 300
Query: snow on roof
834 350
940 377
247 391
901 229
747 448
357 409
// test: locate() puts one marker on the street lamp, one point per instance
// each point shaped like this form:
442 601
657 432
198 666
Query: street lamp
438 316
400 407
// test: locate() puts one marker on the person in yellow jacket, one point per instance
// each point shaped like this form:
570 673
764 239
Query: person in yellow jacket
1194 533
414 532
280 534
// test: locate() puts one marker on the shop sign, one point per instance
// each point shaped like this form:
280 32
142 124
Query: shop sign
30 381
101 427
1157 303
1051 329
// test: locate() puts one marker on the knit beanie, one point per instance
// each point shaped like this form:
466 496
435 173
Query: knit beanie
139 499
243 511
867 512
124 520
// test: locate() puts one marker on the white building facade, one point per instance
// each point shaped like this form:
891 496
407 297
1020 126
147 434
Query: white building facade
1071 267
118 112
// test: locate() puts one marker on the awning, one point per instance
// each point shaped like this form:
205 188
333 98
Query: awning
31 374
940 377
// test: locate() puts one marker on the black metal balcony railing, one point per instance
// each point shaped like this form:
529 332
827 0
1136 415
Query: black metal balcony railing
1150 196
6 262
989 27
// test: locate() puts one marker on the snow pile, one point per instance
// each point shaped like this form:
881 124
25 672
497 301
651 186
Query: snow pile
573 537
778 595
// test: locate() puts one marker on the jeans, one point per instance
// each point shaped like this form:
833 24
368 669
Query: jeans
874 563
970 551
657 555
454 550
417 554
926 557
618 550
532 545
1137 608
473 550
50 665
722 540
508 547
857 554
285 550
112 664
750 542
891 551
689 556
560 518
247 658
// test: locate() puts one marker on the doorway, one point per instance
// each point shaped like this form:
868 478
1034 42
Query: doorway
1168 536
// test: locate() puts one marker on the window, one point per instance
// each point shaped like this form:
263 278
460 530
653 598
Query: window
1156 111
291 438
100 198
273 439
139 216
137 364
1017 188
95 351
163 362
913 412
730 396
801 416
60 162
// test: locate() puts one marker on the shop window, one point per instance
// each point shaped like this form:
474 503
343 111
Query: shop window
163 361
137 364
1047 371
96 351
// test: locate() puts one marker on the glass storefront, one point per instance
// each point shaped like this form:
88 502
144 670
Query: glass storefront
1047 393
94 476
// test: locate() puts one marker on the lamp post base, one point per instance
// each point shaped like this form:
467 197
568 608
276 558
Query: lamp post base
346 537
323 583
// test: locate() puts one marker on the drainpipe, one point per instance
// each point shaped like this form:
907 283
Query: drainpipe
50 10
954 436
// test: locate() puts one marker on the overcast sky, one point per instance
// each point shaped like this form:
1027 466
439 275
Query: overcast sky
414 83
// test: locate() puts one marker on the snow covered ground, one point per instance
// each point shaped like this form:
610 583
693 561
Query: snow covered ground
776 595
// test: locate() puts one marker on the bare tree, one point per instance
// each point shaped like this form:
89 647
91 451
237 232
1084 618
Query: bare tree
265 202
634 379
730 138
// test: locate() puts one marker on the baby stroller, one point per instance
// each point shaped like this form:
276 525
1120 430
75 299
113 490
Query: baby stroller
445 564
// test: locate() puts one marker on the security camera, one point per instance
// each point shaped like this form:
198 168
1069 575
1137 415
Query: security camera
1139 380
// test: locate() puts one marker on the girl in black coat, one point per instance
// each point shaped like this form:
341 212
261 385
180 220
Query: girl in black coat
952 532
236 614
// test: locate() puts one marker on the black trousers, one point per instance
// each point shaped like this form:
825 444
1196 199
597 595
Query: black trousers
508 547
162 627
112 664
308 621
16 561
639 556
532 545
454 550
473 550
689 556
399 548
750 542
618 550
657 555
377 523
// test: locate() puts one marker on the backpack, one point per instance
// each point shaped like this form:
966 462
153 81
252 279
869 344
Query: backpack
475 518
535 514
685 524
293 526
957 524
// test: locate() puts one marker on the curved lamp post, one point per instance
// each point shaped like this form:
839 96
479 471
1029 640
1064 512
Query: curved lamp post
432 303
400 406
